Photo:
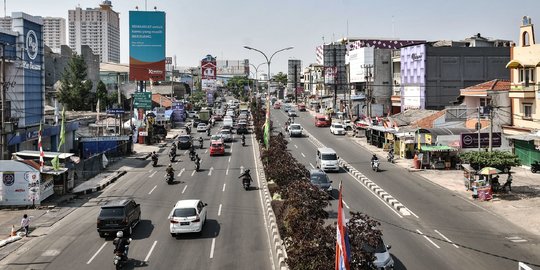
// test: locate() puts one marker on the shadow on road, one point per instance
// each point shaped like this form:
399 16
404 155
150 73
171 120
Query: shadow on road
143 229
398 264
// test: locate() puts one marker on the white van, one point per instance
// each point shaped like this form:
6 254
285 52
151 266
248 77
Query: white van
228 121
327 159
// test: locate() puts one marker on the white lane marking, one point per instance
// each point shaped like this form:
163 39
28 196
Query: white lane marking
229 159
150 252
219 210
181 172
241 169
270 247
152 190
516 239
376 196
153 174
224 187
185 152
296 146
150 170
97 252
303 154
227 171
346 205
212 248
232 145
210 172
184 190
312 165
193 173
206 151
446 238
427 238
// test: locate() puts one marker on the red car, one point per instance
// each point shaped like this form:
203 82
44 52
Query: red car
277 106
217 148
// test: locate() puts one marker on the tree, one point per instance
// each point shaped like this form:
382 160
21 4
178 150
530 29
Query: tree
237 85
75 91
101 95
499 159
280 78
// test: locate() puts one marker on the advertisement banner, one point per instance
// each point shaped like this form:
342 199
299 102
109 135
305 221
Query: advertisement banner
359 61
146 45
19 187
330 75
208 69
470 140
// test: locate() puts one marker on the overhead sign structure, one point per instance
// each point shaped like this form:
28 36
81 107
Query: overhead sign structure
147 45
142 100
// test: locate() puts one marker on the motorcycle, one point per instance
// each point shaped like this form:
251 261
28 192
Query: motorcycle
192 155
390 157
154 160
243 141
201 142
197 165
208 132
246 183
535 167
375 165
172 156
169 178
120 258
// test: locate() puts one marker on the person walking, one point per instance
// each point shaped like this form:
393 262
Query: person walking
25 224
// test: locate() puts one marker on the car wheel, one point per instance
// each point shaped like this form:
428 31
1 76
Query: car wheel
173 234
102 235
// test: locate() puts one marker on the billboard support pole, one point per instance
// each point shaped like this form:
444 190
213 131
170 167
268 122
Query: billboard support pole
479 127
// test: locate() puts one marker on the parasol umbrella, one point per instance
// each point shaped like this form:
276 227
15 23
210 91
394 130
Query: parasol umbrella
489 171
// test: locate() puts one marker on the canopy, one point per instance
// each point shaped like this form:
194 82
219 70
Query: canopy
489 171
437 148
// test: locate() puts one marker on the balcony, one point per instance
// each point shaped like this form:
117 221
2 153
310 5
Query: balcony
521 90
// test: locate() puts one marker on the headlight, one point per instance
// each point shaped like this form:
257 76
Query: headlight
329 188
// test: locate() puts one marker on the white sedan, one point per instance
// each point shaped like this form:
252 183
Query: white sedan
187 216
201 127
337 129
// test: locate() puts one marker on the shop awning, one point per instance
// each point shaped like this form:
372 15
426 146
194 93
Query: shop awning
437 148
47 155
468 168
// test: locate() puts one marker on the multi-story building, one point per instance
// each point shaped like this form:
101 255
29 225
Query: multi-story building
54 33
294 77
433 73
99 28
524 129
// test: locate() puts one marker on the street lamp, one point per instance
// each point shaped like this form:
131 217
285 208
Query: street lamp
256 74
268 61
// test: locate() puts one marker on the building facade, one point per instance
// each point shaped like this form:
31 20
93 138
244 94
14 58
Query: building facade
432 74
54 33
525 95
99 28
294 77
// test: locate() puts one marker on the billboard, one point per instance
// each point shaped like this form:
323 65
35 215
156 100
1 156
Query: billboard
146 45
20 187
208 68
359 61
470 140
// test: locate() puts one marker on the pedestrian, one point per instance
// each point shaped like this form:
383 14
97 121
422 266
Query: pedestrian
25 223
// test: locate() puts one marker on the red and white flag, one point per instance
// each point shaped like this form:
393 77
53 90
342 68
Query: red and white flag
343 248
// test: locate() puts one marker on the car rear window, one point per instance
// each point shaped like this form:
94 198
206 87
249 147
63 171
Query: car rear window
329 157
184 139
184 212
294 127
338 126
319 178
216 145
112 212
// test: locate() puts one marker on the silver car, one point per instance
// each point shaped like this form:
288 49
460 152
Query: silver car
226 135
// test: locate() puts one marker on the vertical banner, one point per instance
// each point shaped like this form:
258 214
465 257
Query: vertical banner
146 45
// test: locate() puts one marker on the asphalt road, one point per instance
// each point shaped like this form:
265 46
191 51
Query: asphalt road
234 236
420 240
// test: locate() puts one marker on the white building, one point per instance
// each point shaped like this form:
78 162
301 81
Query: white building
54 33
99 28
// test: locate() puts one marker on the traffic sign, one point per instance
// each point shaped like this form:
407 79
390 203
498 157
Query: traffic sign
115 111
142 100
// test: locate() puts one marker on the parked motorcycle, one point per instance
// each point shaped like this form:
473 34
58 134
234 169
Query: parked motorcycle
535 167
375 165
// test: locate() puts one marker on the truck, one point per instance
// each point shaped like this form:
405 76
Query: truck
204 115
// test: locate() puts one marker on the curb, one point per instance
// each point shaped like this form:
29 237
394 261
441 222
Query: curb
374 187
101 186
279 247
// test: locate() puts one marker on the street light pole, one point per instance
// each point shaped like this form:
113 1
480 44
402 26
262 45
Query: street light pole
268 61
256 74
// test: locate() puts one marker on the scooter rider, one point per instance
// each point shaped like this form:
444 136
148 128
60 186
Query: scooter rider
373 159
170 169
121 245
201 142
208 130
243 139
246 177
154 158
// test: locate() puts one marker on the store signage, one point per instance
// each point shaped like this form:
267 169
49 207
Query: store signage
470 140
416 57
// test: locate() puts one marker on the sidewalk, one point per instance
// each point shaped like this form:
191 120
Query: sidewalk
522 203
57 207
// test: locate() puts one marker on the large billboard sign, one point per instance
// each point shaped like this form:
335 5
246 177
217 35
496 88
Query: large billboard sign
147 45
208 68
359 61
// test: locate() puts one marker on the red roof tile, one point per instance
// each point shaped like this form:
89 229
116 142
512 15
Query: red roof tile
495 85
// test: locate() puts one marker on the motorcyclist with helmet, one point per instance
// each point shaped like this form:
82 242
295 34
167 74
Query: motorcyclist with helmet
121 245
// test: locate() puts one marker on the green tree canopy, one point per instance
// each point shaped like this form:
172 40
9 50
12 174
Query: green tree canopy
497 159
237 84
75 91
280 78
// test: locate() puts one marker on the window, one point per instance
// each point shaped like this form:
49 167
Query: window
526 75
527 111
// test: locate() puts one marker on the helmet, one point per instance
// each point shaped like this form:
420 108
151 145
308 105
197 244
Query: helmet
247 171
170 164
120 234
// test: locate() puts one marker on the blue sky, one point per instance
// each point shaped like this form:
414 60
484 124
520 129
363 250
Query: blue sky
222 27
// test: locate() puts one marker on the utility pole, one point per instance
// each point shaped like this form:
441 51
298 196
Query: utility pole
490 127
3 134
478 127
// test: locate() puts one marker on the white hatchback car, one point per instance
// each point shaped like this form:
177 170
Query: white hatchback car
337 129
187 216
201 127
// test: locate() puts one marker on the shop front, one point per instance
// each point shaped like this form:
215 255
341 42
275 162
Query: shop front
439 157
